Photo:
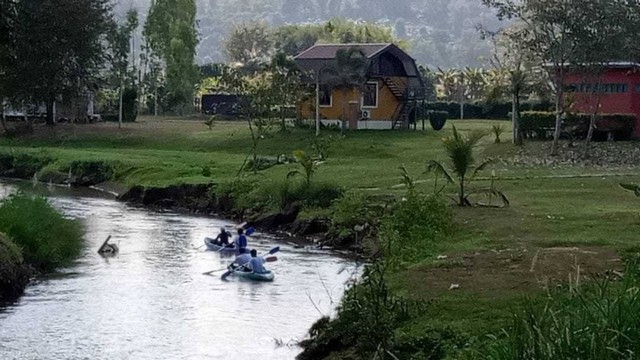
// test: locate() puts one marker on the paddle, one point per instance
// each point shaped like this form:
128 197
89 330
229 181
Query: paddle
269 259
232 270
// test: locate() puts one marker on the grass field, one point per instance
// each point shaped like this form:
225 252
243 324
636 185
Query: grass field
561 217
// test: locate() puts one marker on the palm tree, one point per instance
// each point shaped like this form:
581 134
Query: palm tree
448 81
475 82
460 151
347 73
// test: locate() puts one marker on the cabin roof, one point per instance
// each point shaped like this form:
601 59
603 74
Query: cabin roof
329 51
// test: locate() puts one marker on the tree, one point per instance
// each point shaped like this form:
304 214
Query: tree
119 39
59 49
170 34
449 83
286 83
349 72
249 43
554 30
460 151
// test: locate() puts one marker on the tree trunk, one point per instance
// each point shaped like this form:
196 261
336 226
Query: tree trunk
3 117
282 117
318 104
120 104
344 109
155 98
515 115
50 112
559 83
461 195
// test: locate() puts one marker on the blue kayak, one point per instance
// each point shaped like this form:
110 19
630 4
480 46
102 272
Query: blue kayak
266 277
211 245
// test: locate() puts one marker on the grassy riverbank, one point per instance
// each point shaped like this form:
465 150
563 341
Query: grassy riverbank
563 214
34 238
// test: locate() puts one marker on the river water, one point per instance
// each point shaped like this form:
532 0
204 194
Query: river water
152 301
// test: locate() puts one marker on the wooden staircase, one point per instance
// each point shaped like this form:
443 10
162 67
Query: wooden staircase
394 88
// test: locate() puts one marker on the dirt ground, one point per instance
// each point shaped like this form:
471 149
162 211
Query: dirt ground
494 273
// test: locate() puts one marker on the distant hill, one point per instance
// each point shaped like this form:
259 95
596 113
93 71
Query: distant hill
442 33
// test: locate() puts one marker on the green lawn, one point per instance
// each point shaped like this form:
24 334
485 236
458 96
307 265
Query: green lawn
587 221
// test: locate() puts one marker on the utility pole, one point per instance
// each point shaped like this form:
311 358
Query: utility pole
318 103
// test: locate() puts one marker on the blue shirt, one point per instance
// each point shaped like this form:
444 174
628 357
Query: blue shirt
242 241
257 265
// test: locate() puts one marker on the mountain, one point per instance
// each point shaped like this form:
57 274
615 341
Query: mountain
441 33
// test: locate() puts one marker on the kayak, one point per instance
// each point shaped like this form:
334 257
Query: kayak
268 276
211 245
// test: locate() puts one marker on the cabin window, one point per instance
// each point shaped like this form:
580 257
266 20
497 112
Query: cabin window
326 100
370 95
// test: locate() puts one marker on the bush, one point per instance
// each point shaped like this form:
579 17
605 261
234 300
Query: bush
14 273
48 240
22 165
349 211
598 321
437 119
417 223
485 110
314 195
540 124
89 173
129 107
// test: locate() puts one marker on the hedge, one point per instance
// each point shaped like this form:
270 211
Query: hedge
484 110
541 125
437 119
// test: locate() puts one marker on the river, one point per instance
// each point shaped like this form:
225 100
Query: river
152 301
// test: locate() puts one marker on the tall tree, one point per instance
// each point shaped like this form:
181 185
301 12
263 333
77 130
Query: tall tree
249 43
60 47
171 34
286 83
555 30
120 37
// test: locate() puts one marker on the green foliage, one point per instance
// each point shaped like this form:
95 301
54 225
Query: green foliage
22 164
249 44
307 164
485 109
417 224
235 194
366 321
129 105
47 239
91 172
14 273
460 150
541 124
350 211
57 47
171 33
498 130
438 119
599 320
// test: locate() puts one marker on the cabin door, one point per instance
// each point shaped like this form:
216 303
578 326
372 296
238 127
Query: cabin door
353 114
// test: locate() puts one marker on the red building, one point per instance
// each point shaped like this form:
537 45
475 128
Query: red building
618 91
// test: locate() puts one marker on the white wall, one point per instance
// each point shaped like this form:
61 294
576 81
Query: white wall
375 125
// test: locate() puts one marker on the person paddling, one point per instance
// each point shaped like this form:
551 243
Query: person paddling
257 263
223 238
241 241
242 260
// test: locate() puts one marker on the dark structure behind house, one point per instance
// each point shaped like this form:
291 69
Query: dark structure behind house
224 105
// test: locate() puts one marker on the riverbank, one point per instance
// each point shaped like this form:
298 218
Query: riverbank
564 211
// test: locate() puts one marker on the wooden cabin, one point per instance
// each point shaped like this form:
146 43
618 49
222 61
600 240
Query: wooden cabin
387 100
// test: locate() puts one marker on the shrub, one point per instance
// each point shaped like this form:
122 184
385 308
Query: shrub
438 119
417 223
90 172
129 105
14 273
541 124
315 195
349 211
22 165
48 240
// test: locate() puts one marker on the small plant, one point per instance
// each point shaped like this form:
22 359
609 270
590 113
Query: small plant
498 130
460 150
308 166
211 121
